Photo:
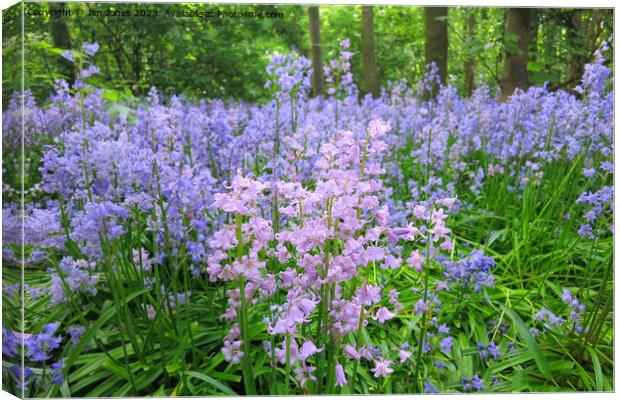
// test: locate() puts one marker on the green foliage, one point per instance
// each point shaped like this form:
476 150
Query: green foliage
226 57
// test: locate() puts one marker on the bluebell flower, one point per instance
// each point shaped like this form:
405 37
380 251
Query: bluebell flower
90 48
443 329
589 172
90 71
426 347
420 306
446 344
10 289
473 270
9 343
472 385
429 387
576 308
494 351
57 372
482 352
477 383
75 334
68 55
466 385
38 347
20 373
78 276
608 167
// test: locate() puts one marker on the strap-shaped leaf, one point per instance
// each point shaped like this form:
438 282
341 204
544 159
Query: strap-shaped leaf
539 357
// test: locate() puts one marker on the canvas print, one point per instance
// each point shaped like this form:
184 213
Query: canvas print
207 199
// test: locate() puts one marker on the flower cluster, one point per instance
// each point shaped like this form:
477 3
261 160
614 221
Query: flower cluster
473 384
576 309
338 75
289 74
39 346
471 271
76 276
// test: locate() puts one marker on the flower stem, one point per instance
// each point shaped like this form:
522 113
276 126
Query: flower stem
287 380
248 374
423 328
358 340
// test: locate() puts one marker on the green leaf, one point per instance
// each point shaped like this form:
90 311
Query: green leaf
146 379
91 332
226 377
117 369
173 367
215 383
531 343
105 387
519 357
598 371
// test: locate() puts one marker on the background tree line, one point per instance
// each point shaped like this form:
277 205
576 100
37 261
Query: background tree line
505 48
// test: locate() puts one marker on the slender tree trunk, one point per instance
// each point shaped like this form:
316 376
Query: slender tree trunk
436 39
317 55
61 39
136 62
371 76
573 70
292 40
470 62
533 45
484 14
516 49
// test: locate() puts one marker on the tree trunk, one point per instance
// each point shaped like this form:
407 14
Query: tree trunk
533 39
515 51
436 39
62 40
317 55
574 29
470 62
371 76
